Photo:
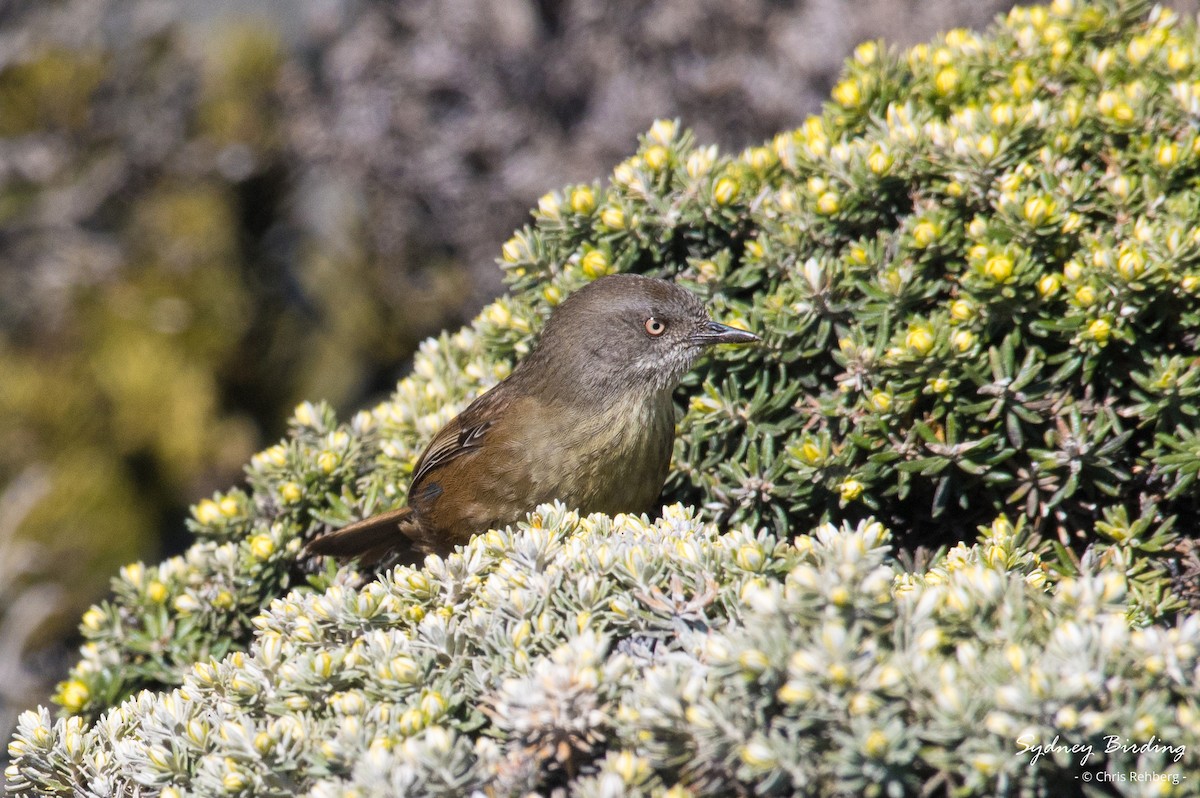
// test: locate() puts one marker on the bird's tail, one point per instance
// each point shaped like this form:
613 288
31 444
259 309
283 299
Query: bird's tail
371 539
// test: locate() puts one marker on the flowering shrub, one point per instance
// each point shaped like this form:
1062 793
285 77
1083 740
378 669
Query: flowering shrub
621 657
978 277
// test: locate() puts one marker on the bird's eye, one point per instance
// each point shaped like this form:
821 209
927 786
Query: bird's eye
654 327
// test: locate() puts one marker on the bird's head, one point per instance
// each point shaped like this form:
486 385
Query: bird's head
629 333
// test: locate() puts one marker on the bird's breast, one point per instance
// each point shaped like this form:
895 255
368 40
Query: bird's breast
610 458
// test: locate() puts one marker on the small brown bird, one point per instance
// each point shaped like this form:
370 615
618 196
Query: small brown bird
586 418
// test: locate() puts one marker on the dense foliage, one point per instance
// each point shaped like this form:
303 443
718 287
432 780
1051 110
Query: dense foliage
210 211
616 657
979 280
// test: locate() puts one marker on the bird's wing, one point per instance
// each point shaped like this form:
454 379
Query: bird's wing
456 439
408 529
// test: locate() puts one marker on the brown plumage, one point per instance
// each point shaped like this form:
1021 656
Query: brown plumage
586 418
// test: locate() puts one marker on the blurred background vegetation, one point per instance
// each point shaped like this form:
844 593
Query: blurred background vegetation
209 212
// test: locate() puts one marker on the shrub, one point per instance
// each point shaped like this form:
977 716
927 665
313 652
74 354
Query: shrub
977 274
620 657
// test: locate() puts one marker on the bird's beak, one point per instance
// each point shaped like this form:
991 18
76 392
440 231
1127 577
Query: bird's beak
717 333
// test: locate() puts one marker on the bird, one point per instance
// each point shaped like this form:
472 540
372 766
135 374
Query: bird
586 418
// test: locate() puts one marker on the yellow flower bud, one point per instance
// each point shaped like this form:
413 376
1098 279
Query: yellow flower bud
1100 330
946 81
879 161
94 619
839 674
962 310
613 218
816 139
1138 50
795 692
924 233
133 573
1145 727
583 200
725 191
305 414
850 489
846 94
1131 264
1085 296
999 268
963 340
758 755
1178 59
548 205
632 769
892 280
156 591
73 695
919 339
750 557
1049 285
753 661
520 633
595 264
497 314
433 704
262 547
233 781
1036 210
1016 656
759 158
1166 154
656 157
290 492
828 203
663 131
700 161
1020 82
512 250
623 174
207 511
